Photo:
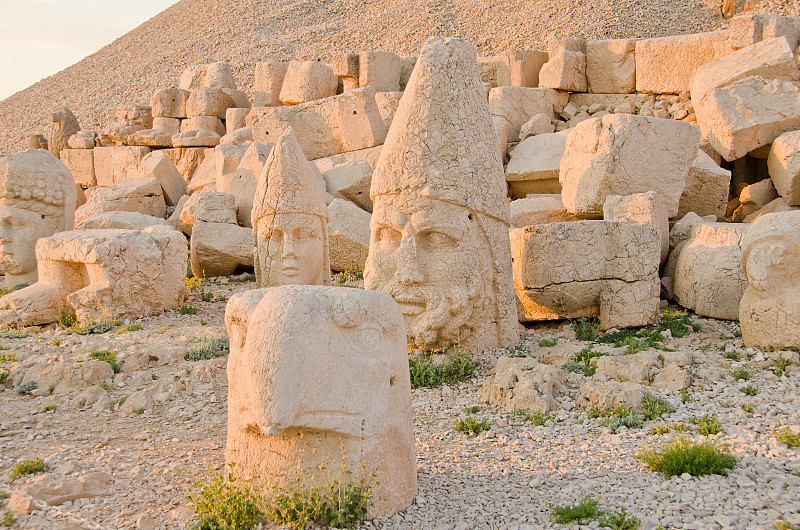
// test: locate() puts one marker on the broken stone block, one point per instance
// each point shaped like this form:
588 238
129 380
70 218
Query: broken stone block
116 219
135 115
611 66
539 209
588 268
624 154
351 182
306 81
348 236
538 124
186 160
513 67
37 141
209 206
238 137
334 125
518 384
196 138
218 249
79 140
772 59
116 163
235 119
214 102
102 274
605 394
206 123
268 82
158 165
707 188
204 176
380 70
748 114
769 312
80 163
565 71
152 137
169 103
387 105
212 75
511 107
776 206
665 65
227 158
709 278
346 65
361 408
245 179
756 196
751 28
639 208
783 163
126 195
533 165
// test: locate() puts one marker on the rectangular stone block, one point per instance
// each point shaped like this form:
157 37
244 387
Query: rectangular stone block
169 103
187 159
565 71
513 68
80 163
380 70
707 188
516 105
752 28
116 163
611 66
268 83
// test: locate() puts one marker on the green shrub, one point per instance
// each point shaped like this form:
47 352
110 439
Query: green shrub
67 317
470 425
679 323
686 397
226 503
786 436
547 343
706 425
659 429
586 328
108 356
654 407
581 513
49 407
749 390
780 364
619 520
8 358
733 355
682 456
26 388
748 408
425 374
210 349
5 290
537 418
348 276
785 525
13 334
129 327
188 310
615 417
30 466
96 328
472 410
572 367
582 362
742 373
4 373
518 350
8 519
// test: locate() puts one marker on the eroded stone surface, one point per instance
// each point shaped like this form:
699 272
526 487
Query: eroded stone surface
520 384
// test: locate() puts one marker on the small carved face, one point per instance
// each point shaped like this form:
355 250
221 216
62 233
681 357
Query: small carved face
19 230
424 253
290 249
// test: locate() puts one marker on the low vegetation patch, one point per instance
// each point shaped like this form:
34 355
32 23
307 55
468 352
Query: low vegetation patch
188 310
31 466
518 350
586 328
210 349
547 343
749 390
8 358
96 328
129 327
470 426
583 512
4 373
424 373
6 290
14 334
683 456
583 362
742 373
706 425
654 407
788 437
343 277
108 356
8 520
26 388
537 418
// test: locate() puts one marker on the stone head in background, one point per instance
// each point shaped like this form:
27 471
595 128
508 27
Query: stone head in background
342 391
439 232
37 199
769 311
64 125
290 220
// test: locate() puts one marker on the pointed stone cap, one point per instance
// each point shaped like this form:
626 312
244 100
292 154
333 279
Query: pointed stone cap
441 143
287 184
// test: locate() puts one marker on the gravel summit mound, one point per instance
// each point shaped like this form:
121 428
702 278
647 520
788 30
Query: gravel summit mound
244 32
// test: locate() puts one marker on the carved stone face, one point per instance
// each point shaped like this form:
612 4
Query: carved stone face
423 252
290 250
19 230
771 266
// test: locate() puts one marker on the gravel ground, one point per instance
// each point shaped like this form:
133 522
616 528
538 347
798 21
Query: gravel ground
506 478
247 31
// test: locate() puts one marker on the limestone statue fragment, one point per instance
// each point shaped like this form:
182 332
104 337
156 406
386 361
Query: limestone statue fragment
439 242
64 125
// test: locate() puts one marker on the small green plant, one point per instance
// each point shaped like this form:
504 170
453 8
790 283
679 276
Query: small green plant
785 525
472 410
188 310
686 397
121 401
343 277
586 328
5 290
4 495
139 410
210 349
706 425
31 466
742 373
8 358
518 350
615 417
547 343
679 323
67 317
56 342
682 456
4 373
471 426
788 437
26 388
49 407
583 512
8 519
748 408
206 296
108 356
619 520
582 362
226 502
129 327
537 418
732 355
654 407
96 327
749 390
424 373
163 329
779 365
659 429
104 385
14 334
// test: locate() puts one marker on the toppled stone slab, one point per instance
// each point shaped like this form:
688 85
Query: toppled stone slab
539 209
534 164
268 83
169 103
512 106
116 219
348 236
639 208
523 384
611 66
159 166
565 71
116 163
306 81
218 249
212 75
127 195
707 188
80 163
380 70
783 163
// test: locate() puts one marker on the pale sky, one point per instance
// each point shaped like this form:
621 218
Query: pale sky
41 37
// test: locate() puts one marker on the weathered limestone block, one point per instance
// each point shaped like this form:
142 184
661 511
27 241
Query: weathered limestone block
707 188
209 206
440 167
752 28
513 67
268 82
115 219
245 180
218 249
196 138
334 125
619 103
623 154
654 368
772 59
101 274
380 70
680 232
360 408
290 220
204 123
214 102
348 236
769 312
212 75
159 166
116 163
62 377
516 385
776 206
37 141
511 107
639 208
187 160
236 118
533 165
611 66
205 175
126 195
351 182
666 64
169 103
135 115
37 199
80 163
64 125
708 274
306 81
565 71
783 163
79 140
588 268
227 158
538 124
152 137
539 209
748 114
238 137
756 196
612 393
387 105
346 66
